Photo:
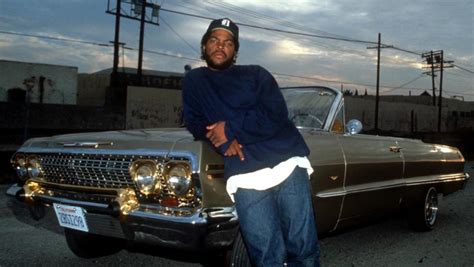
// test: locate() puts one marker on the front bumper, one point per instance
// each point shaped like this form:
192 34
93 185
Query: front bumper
466 180
207 228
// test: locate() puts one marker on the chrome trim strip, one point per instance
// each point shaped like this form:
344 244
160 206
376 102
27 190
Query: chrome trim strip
393 184
86 144
221 213
69 201
196 218
135 152
338 102
214 167
442 178
199 217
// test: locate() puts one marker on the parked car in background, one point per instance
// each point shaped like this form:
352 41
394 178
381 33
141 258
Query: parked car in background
162 186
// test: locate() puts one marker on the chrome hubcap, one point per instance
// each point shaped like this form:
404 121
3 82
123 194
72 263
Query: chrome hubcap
431 206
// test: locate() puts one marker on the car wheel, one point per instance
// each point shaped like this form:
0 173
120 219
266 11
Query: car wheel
37 211
87 245
239 256
424 213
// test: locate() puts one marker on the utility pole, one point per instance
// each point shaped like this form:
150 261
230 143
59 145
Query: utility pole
114 78
140 49
137 11
378 47
440 99
430 61
437 62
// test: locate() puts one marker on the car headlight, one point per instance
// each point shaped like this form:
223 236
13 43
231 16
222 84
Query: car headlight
178 178
34 166
145 175
19 164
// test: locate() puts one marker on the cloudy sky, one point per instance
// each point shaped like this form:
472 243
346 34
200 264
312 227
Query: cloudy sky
323 42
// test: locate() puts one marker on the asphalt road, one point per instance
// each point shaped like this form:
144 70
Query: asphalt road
386 243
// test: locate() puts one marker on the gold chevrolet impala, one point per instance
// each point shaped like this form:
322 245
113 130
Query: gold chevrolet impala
161 186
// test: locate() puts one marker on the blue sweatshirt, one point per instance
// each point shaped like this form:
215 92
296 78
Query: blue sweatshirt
250 102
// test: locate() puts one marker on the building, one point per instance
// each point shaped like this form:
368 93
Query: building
38 83
61 100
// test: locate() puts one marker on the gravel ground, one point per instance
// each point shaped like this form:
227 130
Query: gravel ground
393 243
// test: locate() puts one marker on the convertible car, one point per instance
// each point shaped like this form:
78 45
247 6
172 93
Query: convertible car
161 186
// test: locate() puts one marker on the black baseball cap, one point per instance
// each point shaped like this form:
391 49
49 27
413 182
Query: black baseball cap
224 24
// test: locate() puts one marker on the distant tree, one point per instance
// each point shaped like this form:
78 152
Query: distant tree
356 93
347 92
365 91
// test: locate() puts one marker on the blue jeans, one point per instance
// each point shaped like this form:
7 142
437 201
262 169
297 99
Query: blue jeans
278 224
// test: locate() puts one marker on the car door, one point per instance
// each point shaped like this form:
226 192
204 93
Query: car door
373 181
327 181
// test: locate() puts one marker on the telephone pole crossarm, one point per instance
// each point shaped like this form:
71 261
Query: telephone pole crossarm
435 60
135 10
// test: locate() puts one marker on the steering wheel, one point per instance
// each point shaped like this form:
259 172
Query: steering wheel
302 117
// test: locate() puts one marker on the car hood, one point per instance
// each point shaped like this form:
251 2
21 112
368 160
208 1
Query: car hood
163 139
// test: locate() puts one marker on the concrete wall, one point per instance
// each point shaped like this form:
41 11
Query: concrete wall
157 107
53 84
91 89
410 115
149 107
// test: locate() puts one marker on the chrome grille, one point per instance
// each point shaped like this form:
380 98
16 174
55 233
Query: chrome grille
92 170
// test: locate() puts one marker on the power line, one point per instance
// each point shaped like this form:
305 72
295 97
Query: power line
166 54
274 29
199 60
406 83
406 51
348 82
454 72
156 53
334 37
461 68
95 43
169 55
54 38
221 9
179 36
263 17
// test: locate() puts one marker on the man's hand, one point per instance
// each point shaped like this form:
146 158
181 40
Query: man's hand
216 133
235 149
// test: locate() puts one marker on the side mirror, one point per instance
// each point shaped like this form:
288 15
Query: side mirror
353 127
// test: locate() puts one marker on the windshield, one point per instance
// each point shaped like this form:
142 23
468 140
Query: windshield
308 107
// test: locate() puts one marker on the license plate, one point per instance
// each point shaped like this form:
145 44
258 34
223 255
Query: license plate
71 217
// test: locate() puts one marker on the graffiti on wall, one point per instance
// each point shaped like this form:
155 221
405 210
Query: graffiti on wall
153 108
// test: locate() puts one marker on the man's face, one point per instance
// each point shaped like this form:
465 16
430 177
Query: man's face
219 50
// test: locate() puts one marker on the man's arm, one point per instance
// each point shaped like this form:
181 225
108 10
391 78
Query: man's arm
265 119
216 134
201 128
194 119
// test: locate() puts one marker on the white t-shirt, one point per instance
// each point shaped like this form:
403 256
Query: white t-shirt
268 177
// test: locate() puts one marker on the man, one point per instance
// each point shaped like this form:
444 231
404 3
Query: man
240 110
